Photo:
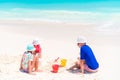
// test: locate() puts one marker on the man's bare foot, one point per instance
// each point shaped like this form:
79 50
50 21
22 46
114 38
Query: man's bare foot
69 69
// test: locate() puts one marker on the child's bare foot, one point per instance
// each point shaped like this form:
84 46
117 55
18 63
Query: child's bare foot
38 70
32 73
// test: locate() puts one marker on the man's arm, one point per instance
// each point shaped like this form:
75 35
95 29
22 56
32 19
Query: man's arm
82 66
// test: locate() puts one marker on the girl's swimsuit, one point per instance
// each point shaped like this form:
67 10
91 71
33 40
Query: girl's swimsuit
25 59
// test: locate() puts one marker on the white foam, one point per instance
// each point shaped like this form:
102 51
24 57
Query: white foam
57 15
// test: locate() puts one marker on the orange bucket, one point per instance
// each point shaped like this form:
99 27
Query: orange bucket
55 68
63 62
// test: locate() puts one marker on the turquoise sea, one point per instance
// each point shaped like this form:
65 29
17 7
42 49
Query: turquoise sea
61 10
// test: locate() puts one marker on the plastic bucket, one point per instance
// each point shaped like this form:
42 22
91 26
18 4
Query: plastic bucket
55 68
63 62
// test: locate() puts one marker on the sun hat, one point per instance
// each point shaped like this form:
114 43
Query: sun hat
81 39
36 41
30 47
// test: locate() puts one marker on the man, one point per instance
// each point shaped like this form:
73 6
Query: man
87 61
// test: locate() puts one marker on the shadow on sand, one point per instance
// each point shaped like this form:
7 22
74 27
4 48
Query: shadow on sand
76 70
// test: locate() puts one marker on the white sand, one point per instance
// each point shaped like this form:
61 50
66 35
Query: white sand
57 39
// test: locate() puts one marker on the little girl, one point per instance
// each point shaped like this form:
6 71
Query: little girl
27 61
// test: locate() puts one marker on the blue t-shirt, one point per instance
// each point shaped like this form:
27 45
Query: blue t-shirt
86 54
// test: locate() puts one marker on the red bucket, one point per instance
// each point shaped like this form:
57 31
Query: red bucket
55 68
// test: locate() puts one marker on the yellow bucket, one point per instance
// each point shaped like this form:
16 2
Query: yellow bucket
63 62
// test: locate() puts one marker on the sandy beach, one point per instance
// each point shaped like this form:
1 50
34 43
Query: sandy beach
58 39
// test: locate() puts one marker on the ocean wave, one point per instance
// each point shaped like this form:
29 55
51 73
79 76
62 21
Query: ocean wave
57 15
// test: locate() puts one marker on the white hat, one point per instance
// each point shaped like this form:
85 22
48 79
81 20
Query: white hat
36 41
81 39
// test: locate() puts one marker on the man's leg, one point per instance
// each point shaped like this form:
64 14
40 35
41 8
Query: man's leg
76 65
86 68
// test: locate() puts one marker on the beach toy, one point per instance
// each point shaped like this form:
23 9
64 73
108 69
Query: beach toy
55 68
63 62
